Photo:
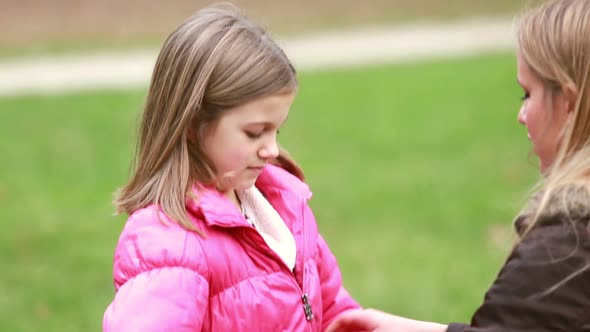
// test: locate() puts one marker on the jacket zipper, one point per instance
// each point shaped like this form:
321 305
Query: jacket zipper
306 305
307 309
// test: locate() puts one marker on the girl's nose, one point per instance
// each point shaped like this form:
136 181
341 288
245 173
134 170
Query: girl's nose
269 150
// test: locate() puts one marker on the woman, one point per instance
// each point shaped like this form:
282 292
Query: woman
545 283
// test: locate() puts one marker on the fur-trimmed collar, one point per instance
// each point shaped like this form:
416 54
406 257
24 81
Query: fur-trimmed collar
569 202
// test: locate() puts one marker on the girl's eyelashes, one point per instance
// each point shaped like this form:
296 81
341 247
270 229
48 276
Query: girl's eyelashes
525 97
253 135
257 134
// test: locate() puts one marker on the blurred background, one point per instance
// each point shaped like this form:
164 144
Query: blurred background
417 167
33 26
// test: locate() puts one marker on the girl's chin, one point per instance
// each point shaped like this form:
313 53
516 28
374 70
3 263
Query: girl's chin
242 181
245 184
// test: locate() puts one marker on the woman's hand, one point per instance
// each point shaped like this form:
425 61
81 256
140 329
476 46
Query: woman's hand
371 320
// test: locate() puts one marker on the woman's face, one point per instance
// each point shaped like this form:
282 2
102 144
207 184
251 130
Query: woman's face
544 113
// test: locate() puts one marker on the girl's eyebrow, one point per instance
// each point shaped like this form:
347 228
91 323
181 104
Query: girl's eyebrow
260 123
266 123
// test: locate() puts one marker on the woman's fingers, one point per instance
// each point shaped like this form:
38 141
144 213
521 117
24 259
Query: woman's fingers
357 320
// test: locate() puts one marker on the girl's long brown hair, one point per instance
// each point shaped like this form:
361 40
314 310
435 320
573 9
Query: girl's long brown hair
216 60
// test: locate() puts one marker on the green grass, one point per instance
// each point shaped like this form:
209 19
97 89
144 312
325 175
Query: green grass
416 170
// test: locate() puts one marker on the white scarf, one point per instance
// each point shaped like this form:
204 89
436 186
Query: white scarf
269 224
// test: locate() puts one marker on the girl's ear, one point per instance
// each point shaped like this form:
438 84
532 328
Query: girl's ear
200 132
190 136
193 133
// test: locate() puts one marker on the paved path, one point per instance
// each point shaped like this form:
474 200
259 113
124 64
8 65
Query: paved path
329 50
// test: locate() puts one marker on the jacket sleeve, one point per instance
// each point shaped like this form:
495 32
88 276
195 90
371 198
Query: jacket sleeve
158 274
158 300
335 299
543 285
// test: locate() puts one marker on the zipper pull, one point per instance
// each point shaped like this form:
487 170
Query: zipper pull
307 307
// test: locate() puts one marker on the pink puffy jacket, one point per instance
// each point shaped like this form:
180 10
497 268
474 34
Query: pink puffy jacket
170 279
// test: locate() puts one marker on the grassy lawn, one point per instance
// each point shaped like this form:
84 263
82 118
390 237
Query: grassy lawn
417 171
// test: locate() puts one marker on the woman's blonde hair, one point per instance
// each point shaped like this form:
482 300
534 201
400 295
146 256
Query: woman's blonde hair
554 40
216 60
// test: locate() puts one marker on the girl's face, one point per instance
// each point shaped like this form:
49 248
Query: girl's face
543 113
244 139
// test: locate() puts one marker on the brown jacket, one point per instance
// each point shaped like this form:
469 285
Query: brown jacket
545 283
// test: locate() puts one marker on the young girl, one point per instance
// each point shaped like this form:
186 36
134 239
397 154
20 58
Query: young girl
220 235
545 283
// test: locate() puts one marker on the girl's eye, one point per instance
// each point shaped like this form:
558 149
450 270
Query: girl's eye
525 97
253 135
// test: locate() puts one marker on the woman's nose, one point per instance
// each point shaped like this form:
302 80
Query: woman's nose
522 116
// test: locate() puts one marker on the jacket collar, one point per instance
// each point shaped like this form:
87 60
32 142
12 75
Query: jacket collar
216 209
569 202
